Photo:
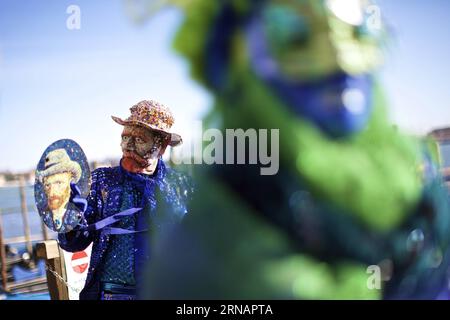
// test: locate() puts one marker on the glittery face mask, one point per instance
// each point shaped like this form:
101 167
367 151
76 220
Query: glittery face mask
318 56
141 145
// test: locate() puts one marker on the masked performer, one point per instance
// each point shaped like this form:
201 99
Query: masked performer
126 203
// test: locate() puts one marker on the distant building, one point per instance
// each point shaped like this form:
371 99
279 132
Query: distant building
109 162
30 177
442 136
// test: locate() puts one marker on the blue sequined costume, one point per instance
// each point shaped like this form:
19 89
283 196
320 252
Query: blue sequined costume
118 258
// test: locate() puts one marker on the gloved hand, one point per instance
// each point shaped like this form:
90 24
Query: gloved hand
76 199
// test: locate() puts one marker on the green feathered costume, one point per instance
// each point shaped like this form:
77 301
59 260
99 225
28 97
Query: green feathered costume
337 206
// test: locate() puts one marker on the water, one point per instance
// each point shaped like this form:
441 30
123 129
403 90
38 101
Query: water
13 227
31 296
12 217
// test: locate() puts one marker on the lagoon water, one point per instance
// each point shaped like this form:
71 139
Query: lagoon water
11 212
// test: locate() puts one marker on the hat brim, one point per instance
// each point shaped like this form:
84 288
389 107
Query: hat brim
175 139
72 167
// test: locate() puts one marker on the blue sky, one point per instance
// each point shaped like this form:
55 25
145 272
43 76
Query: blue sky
49 73
417 70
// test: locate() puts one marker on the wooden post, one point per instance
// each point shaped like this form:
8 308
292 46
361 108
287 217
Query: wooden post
56 275
3 257
44 231
26 225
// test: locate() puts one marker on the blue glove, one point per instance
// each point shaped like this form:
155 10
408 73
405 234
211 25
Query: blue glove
76 199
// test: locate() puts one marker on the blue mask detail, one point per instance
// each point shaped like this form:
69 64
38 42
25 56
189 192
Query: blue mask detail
340 105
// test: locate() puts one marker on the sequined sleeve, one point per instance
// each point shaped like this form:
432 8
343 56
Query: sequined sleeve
179 189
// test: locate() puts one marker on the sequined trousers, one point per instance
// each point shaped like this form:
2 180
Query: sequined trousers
111 291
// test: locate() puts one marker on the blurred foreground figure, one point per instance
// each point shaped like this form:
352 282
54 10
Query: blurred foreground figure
351 214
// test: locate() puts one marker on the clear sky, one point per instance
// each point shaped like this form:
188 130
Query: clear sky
417 70
58 83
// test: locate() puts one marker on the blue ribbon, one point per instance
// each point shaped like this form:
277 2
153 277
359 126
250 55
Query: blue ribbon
148 187
111 230
99 225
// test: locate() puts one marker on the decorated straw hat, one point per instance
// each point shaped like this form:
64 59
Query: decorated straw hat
58 161
154 116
